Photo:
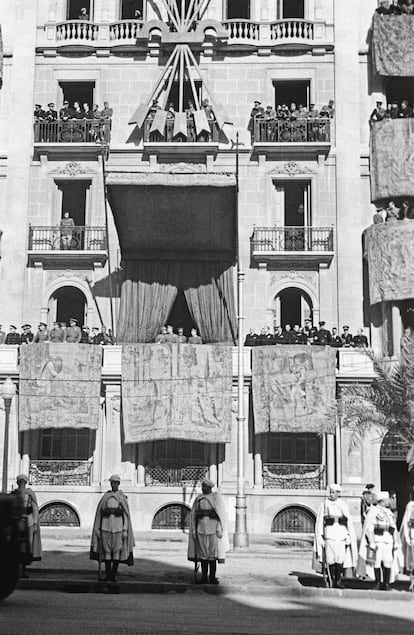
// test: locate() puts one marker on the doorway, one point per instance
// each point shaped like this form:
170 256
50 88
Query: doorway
132 9
394 471
82 92
292 306
180 315
74 8
287 92
74 197
67 302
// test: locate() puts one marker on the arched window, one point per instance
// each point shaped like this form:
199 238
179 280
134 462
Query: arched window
67 302
292 306
172 516
58 515
294 520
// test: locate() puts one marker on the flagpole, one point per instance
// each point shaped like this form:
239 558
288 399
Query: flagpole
240 537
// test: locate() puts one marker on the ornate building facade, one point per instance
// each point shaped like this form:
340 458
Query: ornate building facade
181 173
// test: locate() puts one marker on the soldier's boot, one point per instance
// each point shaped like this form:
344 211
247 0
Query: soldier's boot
213 568
108 572
339 571
377 573
115 565
331 576
386 575
204 571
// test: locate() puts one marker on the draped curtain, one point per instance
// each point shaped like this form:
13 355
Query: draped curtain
150 289
147 298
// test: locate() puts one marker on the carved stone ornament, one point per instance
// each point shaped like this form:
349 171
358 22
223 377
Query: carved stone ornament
71 169
66 274
180 168
291 168
292 276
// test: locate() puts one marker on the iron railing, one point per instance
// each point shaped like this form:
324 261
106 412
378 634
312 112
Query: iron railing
168 133
317 130
190 476
282 239
60 238
60 472
72 131
293 476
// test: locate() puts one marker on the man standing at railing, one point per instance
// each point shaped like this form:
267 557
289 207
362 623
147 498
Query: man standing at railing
66 232
73 333
83 15
257 112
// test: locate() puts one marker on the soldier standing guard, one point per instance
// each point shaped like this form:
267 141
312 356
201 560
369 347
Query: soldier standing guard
335 547
208 539
30 510
407 541
112 534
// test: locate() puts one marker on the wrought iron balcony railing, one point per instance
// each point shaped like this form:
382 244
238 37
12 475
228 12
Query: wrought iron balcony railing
292 239
169 137
293 476
60 472
60 238
72 131
316 130
190 476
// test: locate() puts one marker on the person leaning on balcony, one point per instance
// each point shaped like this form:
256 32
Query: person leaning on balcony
346 337
51 113
194 337
328 111
42 335
73 333
378 114
30 510
289 336
360 340
207 538
103 337
407 7
393 212
393 111
112 534
335 546
27 336
39 114
56 333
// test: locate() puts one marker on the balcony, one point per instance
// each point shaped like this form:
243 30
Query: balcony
49 246
170 141
60 472
189 476
80 136
292 246
293 476
79 36
281 136
290 33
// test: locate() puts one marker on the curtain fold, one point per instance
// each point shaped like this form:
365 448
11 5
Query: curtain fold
147 298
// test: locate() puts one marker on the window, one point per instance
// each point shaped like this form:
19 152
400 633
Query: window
284 447
74 8
288 92
399 88
74 195
132 9
66 444
66 302
291 9
82 92
174 452
293 203
187 94
238 9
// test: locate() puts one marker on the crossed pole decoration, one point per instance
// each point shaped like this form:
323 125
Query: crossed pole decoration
183 31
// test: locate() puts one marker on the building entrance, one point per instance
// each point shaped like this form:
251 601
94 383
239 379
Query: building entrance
67 302
292 306
394 471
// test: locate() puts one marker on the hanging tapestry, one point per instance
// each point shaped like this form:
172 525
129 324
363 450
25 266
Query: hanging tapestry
392 158
389 249
176 392
294 388
59 386
393 45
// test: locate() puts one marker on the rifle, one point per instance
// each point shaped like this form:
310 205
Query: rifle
327 581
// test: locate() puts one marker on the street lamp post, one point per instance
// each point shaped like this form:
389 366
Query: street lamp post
7 391
240 537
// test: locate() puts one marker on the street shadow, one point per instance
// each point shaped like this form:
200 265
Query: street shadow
306 579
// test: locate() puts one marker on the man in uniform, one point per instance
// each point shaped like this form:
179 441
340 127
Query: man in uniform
73 332
257 112
171 337
112 534
360 340
103 337
251 338
12 336
65 112
346 337
207 538
30 510
310 330
335 547
42 335
66 233
323 336
378 114
56 334
289 336
27 336
181 337
194 337
85 335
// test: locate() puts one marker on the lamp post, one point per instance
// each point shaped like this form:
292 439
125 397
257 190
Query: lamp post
7 391
240 537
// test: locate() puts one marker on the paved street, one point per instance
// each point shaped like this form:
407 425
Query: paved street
191 612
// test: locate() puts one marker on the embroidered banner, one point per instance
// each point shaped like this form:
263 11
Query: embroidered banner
60 386
393 45
176 392
294 388
389 249
392 158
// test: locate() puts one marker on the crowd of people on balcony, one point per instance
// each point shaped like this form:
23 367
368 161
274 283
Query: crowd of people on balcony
191 133
168 336
60 332
391 212
308 335
290 123
65 125
49 114
395 7
394 110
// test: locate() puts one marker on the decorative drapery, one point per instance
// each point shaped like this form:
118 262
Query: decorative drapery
172 391
59 386
150 288
293 388
392 158
393 45
389 251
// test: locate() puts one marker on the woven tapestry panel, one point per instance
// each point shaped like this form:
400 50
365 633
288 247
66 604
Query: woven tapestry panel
294 388
176 392
59 386
393 45
392 158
